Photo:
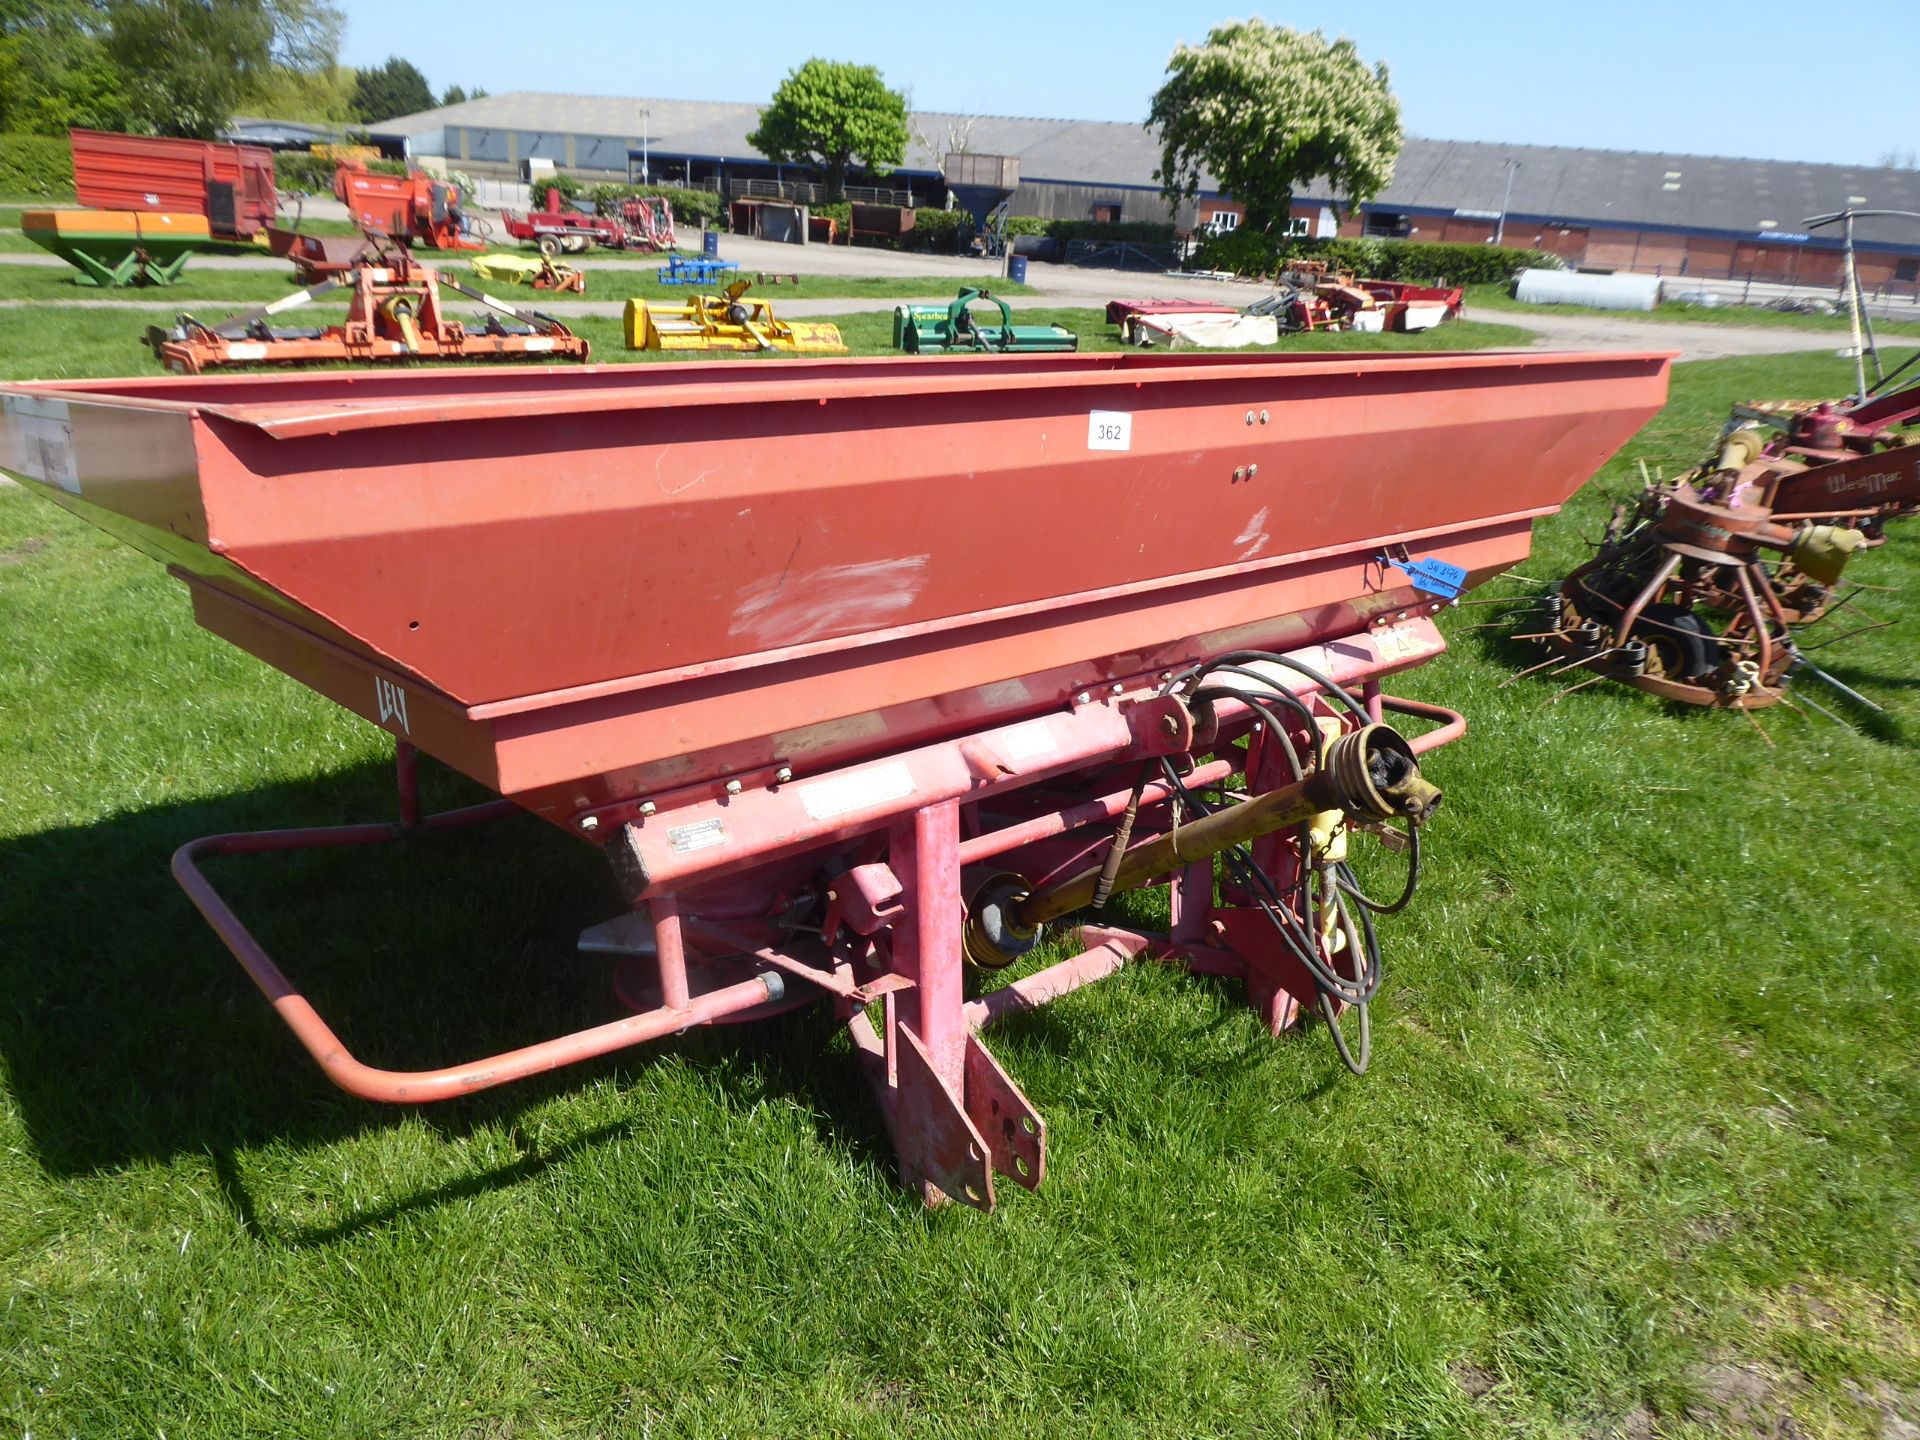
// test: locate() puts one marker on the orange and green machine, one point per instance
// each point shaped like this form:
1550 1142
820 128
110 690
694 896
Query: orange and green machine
119 247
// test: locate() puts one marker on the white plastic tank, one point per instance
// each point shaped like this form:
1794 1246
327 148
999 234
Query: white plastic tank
1603 292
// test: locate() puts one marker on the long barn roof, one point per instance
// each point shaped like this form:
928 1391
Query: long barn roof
1624 187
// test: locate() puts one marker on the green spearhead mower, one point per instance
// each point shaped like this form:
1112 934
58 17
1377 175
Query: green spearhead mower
933 329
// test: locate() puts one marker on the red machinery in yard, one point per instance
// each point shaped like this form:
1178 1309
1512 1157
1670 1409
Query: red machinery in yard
1696 591
641 225
857 671
232 185
396 313
414 210
1412 307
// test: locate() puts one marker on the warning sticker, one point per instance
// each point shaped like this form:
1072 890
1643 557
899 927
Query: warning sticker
1023 742
1399 642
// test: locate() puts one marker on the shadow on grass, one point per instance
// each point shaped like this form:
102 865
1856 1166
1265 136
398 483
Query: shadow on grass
1499 643
129 1034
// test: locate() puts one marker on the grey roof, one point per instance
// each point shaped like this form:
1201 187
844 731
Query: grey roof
1636 188
1092 150
1626 187
254 130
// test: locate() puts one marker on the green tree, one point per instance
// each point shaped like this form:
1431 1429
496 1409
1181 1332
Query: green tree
302 80
54 68
318 96
1262 108
185 67
395 88
453 95
830 113
188 63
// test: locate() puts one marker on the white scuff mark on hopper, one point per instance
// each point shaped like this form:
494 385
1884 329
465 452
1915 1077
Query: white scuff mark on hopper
791 609
1004 693
673 487
1253 539
684 485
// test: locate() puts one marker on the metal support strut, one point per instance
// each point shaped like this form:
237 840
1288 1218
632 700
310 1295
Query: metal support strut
414 1086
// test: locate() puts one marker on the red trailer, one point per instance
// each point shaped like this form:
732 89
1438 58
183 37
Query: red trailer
232 185
859 671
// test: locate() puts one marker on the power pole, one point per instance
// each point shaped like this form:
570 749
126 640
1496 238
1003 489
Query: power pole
1500 226
646 175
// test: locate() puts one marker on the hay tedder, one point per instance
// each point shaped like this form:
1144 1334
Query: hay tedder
1698 589
867 679
396 312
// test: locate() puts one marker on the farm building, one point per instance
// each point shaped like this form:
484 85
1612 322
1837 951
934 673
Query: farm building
1708 216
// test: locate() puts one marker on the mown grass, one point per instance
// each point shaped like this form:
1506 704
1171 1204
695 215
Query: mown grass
621 280
604 282
105 340
1637 1143
1499 298
61 284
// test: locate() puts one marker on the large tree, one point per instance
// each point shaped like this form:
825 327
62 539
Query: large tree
54 68
395 88
830 113
171 67
188 63
1262 108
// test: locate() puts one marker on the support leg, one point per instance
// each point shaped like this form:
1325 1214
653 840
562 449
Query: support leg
954 1114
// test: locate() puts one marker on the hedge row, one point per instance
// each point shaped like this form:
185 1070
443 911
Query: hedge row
35 165
299 170
946 230
1247 253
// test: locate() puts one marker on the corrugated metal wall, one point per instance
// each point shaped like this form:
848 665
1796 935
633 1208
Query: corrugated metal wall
1053 200
481 145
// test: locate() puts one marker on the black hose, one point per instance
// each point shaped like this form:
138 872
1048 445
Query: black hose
1359 1066
1365 901
1281 912
1337 882
1344 696
1350 884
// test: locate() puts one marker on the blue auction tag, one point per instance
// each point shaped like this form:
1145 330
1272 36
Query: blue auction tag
1436 577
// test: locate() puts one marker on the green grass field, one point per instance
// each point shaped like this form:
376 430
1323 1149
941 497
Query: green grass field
105 340
200 284
1636 1155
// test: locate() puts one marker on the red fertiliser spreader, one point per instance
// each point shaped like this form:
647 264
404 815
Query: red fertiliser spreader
877 682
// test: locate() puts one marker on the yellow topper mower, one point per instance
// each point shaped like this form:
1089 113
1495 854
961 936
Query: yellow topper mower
541 272
725 322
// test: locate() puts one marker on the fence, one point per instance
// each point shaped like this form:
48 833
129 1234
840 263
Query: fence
500 195
803 192
1891 300
1121 255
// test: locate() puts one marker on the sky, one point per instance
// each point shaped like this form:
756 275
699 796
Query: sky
1761 79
